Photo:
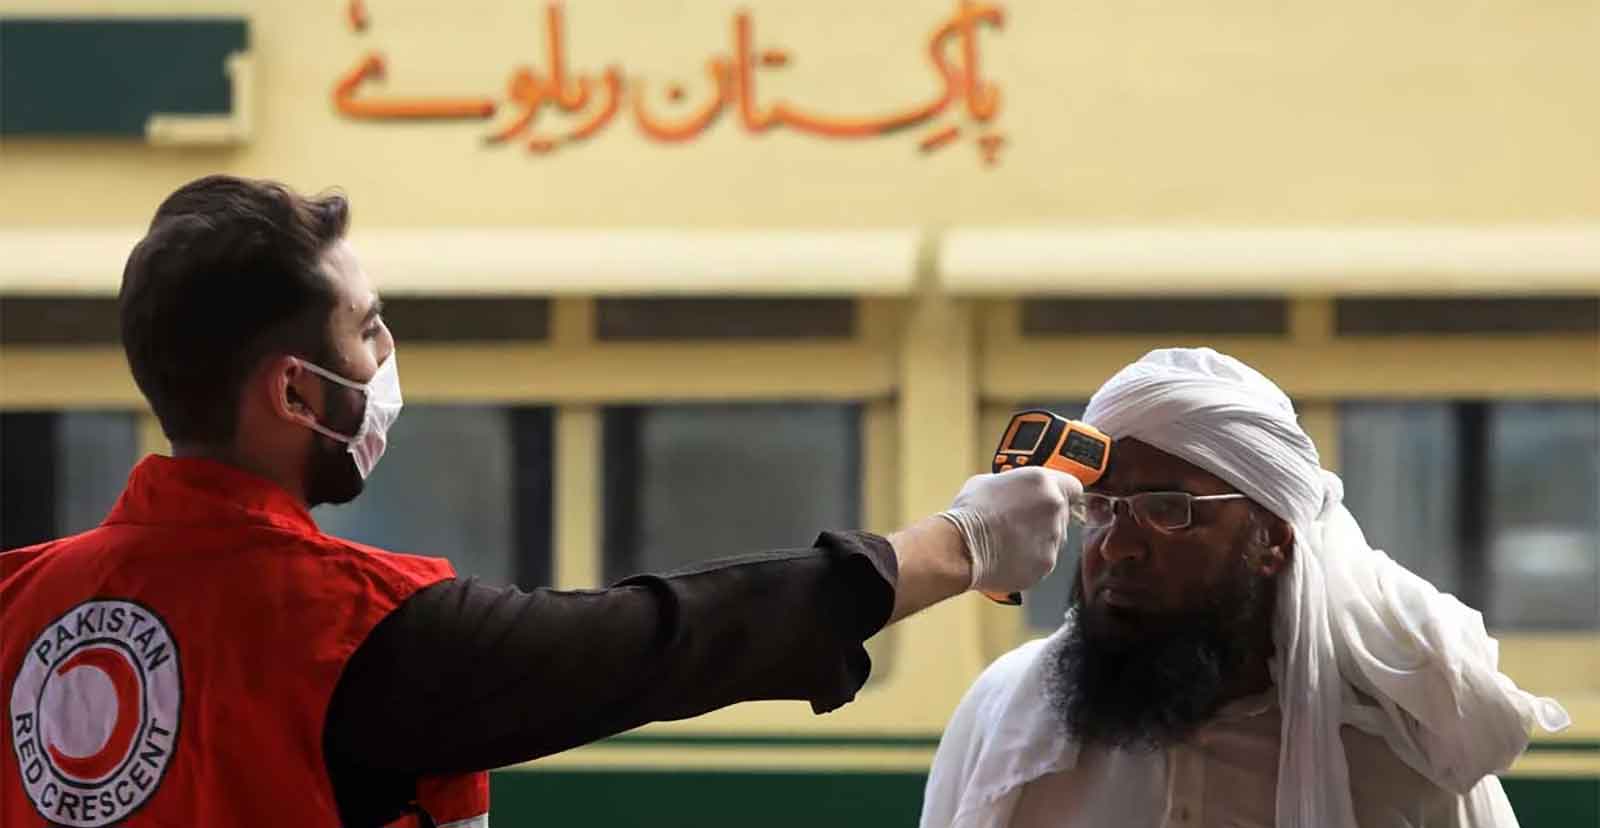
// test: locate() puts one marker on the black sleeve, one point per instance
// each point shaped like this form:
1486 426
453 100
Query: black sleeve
465 677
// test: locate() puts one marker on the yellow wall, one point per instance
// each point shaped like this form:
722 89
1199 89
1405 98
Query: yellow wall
1229 111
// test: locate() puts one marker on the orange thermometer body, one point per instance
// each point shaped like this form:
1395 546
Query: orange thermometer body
1044 438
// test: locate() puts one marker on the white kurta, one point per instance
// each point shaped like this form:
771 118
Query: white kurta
1004 761
1225 776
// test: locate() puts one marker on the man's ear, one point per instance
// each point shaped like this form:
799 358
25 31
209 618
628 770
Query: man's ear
290 389
1275 548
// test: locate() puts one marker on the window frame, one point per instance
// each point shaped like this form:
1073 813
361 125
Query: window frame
930 370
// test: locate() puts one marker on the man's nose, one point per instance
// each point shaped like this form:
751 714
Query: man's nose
1123 539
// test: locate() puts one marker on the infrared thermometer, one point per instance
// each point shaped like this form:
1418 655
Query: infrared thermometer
1044 438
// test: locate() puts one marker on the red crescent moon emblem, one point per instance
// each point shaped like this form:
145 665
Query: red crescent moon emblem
104 761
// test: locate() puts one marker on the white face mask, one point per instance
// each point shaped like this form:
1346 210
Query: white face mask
383 403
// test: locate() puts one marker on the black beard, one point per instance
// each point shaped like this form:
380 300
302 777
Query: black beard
1154 690
331 474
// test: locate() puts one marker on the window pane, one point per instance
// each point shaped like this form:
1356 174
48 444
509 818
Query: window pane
467 483
689 482
1046 603
1544 515
1154 315
1466 315
59 320
725 317
95 451
1497 503
1398 461
466 318
63 471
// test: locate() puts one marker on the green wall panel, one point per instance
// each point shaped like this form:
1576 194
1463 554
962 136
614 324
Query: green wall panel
727 799
705 799
1555 802
104 77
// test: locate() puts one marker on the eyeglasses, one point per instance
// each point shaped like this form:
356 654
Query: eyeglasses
1166 511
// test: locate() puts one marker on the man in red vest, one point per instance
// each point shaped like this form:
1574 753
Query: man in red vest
208 657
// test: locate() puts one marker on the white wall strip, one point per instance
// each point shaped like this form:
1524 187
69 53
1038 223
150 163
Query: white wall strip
1541 259
973 260
496 261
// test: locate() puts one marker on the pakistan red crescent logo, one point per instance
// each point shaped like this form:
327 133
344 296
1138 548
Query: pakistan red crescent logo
94 712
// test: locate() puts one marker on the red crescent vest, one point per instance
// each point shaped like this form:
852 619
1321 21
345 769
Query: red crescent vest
174 665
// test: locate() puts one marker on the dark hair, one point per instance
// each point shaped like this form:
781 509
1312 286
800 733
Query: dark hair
227 274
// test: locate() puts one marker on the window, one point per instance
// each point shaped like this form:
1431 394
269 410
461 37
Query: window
63 471
468 483
1543 515
685 483
1494 502
1467 315
58 320
1398 461
723 318
466 319
1154 315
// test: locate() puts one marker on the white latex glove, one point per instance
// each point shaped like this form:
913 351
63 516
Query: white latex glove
1013 524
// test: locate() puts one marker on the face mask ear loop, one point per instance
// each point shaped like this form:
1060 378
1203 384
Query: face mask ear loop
331 376
319 428
330 433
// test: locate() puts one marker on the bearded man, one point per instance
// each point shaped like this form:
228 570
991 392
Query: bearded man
1235 654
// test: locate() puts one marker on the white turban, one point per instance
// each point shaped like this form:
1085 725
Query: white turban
1360 639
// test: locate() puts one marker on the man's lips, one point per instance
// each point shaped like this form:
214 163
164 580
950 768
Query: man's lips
1125 595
